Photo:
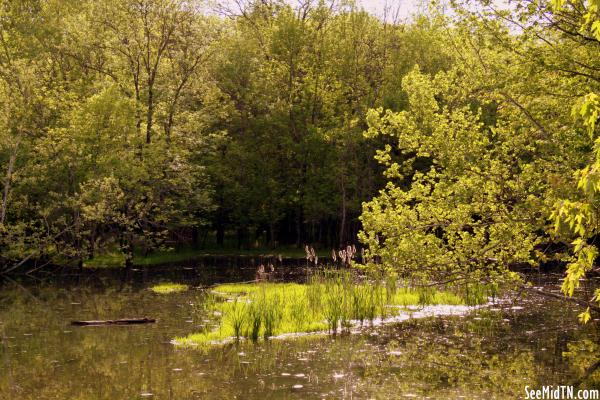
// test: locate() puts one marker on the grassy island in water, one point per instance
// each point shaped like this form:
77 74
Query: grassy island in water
329 302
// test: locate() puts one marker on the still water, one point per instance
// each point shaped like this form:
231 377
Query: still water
492 353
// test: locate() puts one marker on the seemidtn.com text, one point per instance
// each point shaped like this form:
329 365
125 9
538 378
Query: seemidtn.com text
561 392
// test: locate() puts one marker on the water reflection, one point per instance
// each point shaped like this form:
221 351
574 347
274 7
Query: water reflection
489 354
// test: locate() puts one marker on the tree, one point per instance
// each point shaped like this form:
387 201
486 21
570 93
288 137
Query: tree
578 216
106 152
478 160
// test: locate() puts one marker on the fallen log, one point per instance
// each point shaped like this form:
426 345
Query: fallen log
582 303
126 321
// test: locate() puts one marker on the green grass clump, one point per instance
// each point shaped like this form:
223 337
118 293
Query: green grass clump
167 288
253 311
107 260
476 293
236 288
331 300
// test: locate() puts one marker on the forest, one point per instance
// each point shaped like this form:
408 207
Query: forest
462 139
458 147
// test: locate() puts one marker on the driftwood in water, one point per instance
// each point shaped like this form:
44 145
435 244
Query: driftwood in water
126 321
582 303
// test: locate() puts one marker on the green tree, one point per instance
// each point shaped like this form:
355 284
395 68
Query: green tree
579 215
477 162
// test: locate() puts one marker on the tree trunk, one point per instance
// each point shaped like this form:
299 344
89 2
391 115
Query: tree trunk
195 237
220 235
7 181
240 237
271 233
343 214
299 219
150 113
127 250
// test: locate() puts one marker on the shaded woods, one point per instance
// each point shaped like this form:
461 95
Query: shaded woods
447 144
139 125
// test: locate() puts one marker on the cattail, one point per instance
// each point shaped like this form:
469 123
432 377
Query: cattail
350 251
310 253
342 254
260 272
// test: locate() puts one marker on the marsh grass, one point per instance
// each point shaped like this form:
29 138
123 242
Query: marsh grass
331 300
254 320
236 315
272 314
479 293
426 296
168 288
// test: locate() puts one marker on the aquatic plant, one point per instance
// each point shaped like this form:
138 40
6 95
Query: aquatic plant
298 309
271 314
332 310
478 293
426 295
167 288
235 312
254 320
360 302
331 300
314 293
391 285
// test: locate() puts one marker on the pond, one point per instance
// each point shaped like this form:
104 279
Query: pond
493 352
